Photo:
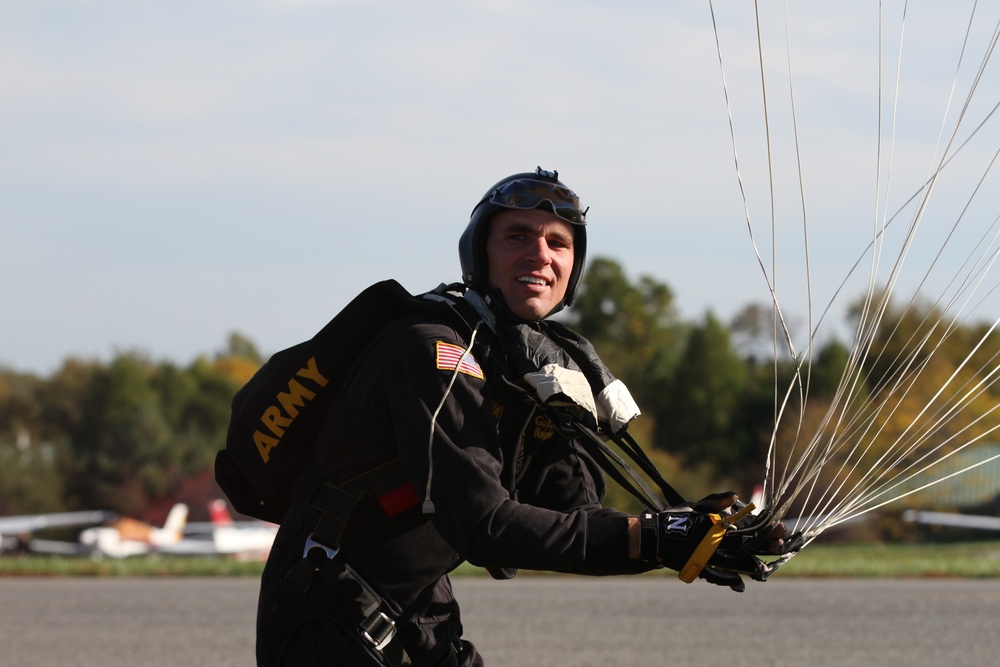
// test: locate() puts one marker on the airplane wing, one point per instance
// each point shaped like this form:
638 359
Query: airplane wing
29 523
207 528
56 548
190 547
14 527
226 540
953 519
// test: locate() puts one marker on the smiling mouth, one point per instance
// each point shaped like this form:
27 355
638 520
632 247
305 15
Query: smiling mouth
533 281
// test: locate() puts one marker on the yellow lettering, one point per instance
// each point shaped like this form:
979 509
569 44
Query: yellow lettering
295 398
543 434
311 371
544 429
275 421
264 444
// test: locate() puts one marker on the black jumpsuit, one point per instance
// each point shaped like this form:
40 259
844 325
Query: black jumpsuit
508 492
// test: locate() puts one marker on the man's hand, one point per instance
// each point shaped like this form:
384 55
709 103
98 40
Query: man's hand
671 537
725 504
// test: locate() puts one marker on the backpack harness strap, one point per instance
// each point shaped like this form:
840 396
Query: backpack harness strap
336 502
358 606
386 483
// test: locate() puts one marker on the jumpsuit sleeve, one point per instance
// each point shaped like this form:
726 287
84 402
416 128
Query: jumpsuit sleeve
444 427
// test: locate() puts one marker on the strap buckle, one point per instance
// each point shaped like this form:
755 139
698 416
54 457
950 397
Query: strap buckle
311 544
378 630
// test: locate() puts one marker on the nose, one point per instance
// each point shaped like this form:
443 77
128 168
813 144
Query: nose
539 251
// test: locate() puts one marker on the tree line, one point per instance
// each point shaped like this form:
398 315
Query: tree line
136 435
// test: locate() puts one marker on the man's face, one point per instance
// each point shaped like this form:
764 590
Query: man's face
530 256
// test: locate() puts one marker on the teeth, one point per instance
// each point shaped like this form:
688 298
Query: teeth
533 281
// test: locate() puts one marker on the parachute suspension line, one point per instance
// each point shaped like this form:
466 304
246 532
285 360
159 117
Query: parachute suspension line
880 229
771 278
918 439
942 415
802 200
780 319
861 496
798 383
932 179
923 207
898 212
881 438
739 176
865 498
878 310
929 185
736 162
809 454
946 157
937 171
880 218
874 496
771 201
878 221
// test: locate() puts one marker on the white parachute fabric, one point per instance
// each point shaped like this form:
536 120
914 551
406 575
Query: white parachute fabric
920 282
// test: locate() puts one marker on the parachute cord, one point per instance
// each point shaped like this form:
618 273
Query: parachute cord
883 436
428 504
769 276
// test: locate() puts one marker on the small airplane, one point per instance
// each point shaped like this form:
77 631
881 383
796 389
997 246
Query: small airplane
15 531
129 537
223 536
125 537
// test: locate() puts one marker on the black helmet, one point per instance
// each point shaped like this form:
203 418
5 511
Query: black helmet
540 189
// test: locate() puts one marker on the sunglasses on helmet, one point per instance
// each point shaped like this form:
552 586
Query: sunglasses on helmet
525 193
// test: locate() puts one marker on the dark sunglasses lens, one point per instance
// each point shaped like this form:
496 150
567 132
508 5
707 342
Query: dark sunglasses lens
570 214
530 194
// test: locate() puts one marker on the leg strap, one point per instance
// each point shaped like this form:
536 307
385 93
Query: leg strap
360 606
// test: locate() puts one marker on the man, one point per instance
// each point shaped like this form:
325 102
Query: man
480 415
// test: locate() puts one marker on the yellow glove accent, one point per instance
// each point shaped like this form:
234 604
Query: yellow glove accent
713 538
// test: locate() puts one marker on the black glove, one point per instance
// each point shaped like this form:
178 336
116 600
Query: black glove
753 533
671 537
722 578
718 503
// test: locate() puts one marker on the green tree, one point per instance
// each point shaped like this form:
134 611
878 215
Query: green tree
238 345
633 326
828 368
195 404
31 479
131 435
240 360
706 401
119 439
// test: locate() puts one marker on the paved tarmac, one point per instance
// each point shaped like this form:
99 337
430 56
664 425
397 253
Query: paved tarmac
534 620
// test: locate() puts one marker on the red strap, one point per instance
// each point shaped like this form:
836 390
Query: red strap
398 500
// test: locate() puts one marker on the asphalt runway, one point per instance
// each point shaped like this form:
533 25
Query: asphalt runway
534 620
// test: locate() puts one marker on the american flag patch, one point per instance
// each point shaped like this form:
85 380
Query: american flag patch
451 357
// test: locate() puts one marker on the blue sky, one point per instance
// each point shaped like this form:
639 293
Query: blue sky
172 172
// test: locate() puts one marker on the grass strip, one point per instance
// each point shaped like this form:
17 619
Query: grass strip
966 559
